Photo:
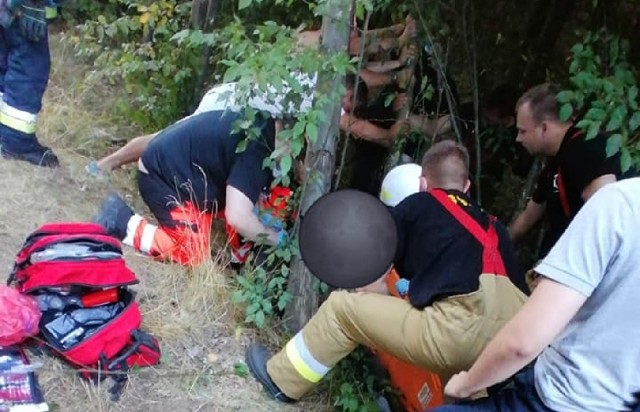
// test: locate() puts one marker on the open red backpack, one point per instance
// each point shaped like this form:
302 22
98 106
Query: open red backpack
90 318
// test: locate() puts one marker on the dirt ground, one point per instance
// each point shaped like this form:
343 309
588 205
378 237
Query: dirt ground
201 334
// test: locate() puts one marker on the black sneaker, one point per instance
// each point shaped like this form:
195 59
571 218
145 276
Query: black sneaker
39 156
256 357
114 216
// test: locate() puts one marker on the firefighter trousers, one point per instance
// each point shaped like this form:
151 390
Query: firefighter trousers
24 74
445 337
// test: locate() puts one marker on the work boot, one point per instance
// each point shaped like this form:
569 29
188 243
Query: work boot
114 216
38 155
256 357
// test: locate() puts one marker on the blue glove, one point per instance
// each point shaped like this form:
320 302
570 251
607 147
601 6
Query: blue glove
283 238
402 286
268 219
33 22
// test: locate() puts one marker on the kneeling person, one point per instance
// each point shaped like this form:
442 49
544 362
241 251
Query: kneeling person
460 264
187 173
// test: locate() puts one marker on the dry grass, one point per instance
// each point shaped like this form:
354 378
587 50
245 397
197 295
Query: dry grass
189 311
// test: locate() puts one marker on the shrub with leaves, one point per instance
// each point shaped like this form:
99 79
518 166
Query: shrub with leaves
604 95
357 381
135 50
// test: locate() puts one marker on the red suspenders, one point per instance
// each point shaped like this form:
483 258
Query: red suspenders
562 192
491 259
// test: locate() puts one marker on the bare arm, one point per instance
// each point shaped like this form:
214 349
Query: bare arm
596 184
375 79
526 220
429 126
239 214
363 129
384 39
547 312
383 67
128 153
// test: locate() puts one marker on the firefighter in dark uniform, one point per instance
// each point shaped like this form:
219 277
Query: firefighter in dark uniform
24 73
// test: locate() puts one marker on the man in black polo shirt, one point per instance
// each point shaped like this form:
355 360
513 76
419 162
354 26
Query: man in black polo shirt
575 169
189 172
462 272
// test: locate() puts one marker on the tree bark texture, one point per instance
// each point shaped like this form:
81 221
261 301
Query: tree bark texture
320 158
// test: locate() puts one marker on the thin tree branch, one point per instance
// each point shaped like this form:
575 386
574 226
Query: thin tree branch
440 66
343 155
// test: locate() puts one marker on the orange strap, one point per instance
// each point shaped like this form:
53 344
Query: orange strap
491 260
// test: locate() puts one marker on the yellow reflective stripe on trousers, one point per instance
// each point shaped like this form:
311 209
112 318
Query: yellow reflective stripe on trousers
19 120
303 361
50 12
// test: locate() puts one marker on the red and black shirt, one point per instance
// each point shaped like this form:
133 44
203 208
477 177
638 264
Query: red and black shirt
578 162
439 256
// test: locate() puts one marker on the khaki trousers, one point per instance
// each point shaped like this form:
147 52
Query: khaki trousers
445 337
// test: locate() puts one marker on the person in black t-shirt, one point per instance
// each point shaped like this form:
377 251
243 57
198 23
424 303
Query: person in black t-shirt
577 167
189 172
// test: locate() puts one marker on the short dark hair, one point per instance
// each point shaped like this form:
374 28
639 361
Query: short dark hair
446 163
542 102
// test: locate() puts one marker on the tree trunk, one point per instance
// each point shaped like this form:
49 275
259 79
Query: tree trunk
320 158
203 15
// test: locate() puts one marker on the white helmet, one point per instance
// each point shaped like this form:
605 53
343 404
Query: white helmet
400 182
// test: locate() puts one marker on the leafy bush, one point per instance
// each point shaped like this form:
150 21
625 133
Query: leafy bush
604 95
135 51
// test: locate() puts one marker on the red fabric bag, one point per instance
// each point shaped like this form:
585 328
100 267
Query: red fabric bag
81 282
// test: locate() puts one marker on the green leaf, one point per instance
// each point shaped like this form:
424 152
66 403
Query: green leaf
614 52
240 369
564 96
259 319
583 124
634 122
595 114
285 164
296 147
312 132
633 98
565 112
625 160
242 145
617 117
253 308
594 129
632 94
237 297
243 4
614 143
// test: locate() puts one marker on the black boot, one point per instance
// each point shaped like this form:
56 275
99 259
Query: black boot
37 154
114 216
256 357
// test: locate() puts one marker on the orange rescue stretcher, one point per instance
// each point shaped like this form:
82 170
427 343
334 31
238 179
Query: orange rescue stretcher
421 390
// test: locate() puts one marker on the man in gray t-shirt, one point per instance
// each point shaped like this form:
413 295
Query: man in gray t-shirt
582 320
